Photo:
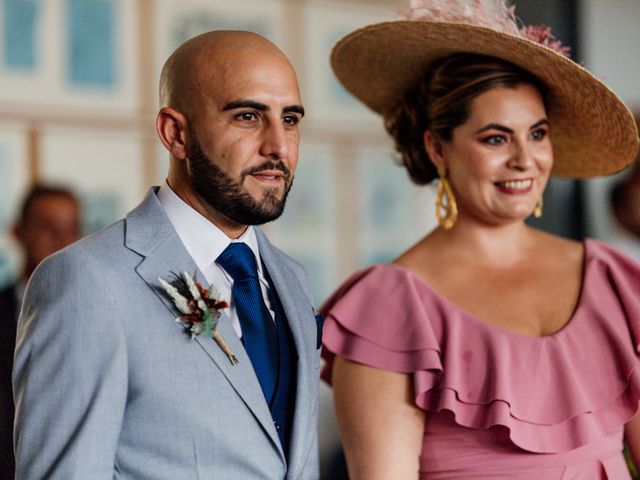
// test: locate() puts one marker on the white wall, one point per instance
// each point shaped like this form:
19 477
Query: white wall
609 33
610 39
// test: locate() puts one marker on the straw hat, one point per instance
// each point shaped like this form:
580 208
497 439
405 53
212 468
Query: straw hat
593 132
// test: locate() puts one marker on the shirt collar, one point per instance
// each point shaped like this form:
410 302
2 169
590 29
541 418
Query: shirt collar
203 240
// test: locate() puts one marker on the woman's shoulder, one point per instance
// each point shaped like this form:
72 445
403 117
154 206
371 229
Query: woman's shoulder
609 254
381 277
608 268
376 294
383 316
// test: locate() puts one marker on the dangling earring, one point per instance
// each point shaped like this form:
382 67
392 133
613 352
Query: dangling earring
537 212
446 207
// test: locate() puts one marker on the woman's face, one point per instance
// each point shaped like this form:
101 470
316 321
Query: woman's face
498 161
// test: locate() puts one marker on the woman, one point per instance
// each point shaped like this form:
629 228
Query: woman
489 349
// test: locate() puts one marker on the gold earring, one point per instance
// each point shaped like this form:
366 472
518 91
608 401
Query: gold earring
446 207
537 212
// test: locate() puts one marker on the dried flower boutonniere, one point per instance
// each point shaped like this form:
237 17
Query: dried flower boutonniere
200 308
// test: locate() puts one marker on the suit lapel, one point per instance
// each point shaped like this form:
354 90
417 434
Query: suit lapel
301 320
150 234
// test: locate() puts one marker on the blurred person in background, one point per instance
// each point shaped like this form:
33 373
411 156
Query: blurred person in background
625 206
48 220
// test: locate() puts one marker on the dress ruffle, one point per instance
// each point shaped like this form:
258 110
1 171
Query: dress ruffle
553 394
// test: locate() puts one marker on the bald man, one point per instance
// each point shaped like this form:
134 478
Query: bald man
107 383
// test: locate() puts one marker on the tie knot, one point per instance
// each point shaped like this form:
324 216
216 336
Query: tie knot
239 261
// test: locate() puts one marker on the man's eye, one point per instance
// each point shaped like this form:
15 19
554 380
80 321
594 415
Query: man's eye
247 116
290 120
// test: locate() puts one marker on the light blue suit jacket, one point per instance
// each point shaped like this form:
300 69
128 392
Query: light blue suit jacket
107 384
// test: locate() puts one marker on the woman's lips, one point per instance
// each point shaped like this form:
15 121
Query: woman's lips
515 186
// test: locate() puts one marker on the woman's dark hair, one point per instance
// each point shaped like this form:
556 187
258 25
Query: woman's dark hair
441 101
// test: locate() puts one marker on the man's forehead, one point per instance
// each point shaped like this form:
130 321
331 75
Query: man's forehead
250 77
220 58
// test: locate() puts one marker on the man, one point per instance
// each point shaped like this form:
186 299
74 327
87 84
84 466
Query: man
49 219
107 383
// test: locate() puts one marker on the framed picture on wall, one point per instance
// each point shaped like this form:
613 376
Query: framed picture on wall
308 228
178 21
14 181
329 103
104 168
14 170
393 212
71 53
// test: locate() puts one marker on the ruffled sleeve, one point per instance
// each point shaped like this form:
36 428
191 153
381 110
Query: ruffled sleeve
378 318
552 394
623 275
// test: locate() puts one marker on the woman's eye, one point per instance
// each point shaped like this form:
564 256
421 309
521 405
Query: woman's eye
494 140
538 134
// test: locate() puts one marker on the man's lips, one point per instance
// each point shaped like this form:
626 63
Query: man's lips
515 186
271 173
268 175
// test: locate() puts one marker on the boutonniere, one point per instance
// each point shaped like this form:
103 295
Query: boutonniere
199 308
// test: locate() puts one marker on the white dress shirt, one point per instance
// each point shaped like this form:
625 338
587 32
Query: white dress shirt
205 242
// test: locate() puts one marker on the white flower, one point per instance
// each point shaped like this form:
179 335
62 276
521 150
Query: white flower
194 291
180 302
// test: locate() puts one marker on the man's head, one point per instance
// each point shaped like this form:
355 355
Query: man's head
49 220
230 113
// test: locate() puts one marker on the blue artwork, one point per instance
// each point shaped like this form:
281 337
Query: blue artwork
19 27
338 93
386 194
318 270
203 21
310 207
99 209
91 42
377 256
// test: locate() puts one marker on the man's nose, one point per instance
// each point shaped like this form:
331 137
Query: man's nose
274 142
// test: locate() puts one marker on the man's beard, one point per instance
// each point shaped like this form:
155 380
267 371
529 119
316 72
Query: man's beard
227 195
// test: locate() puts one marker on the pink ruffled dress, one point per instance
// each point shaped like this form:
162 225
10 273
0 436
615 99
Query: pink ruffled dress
500 404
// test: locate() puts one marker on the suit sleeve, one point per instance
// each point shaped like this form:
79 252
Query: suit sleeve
70 373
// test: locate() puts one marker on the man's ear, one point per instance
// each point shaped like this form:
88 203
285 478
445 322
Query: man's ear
171 126
434 148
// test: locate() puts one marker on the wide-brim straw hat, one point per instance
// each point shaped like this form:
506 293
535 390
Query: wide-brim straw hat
593 133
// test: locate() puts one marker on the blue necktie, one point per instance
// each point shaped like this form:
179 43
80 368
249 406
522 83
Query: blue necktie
259 333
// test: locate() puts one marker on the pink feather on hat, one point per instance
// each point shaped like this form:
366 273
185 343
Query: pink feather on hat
494 14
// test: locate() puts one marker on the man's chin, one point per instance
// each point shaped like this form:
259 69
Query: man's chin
262 193
270 197
265 210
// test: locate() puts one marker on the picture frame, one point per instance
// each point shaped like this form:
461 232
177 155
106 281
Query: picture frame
175 22
77 54
14 170
394 212
15 178
308 228
330 104
104 168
